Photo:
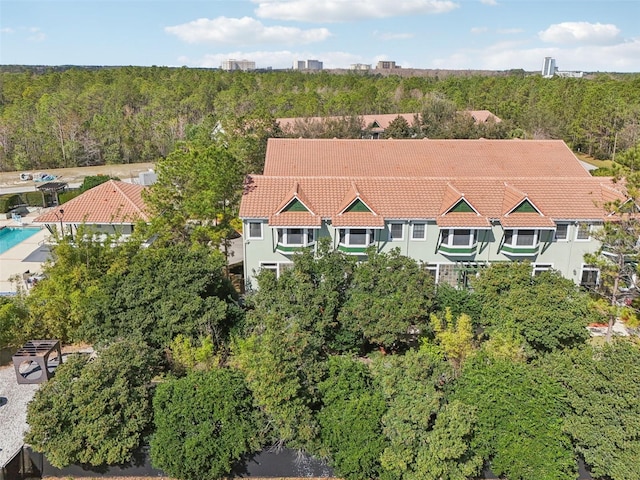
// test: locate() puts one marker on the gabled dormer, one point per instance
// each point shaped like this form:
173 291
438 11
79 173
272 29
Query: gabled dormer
356 222
525 225
295 201
460 224
354 202
295 210
454 201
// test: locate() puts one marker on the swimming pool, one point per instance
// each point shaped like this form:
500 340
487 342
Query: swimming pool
12 236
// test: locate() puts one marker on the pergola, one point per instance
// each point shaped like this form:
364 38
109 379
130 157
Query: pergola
53 188
31 361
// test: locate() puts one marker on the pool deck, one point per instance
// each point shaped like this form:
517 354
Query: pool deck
28 255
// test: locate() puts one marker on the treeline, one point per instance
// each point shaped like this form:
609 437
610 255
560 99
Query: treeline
79 117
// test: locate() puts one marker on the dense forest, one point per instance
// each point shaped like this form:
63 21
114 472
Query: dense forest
76 117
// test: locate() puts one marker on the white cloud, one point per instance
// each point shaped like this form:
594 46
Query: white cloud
491 3
623 57
244 31
581 32
275 59
7 30
392 36
347 10
36 35
479 30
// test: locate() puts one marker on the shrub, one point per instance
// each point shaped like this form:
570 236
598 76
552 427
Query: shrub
68 195
34 199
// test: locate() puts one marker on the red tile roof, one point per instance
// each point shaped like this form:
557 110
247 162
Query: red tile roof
381 120
575 198
527 220
111 202
358 219
462 220
424 179
421 158
295 219
450 198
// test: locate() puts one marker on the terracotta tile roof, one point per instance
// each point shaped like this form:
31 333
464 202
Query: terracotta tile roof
351 196
296 193
421 158
527 220
295 219
382 120
482 116
577 198
358 219
451 198
512 198
462 220
110 202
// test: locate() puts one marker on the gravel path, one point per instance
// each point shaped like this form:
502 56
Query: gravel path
13 413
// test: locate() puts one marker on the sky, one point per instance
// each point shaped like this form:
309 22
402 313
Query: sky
582 35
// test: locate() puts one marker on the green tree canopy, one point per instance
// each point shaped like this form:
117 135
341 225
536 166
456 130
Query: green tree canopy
546 312
292 327
601 390
390 295
94 180
204 423
163 292
428 437
350 419
520 419
94 412
196 194
13 315
59 302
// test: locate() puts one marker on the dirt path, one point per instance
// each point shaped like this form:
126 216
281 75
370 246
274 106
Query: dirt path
77 174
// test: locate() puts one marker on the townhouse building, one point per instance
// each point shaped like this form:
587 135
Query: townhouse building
454 205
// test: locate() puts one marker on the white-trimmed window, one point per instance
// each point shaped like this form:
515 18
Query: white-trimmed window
583 232
434 269
538 268
296 237
255 230
419 231
562 232
276 267
356 237
458 237
589 276
396 231
521 238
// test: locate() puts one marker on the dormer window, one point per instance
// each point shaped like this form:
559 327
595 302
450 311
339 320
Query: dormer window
457 241
290 239
355 240
520 242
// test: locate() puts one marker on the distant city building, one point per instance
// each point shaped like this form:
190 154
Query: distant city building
386 65
307 65
360 66
549 69
231 65
570 74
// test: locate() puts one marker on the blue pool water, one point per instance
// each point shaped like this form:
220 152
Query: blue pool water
12 236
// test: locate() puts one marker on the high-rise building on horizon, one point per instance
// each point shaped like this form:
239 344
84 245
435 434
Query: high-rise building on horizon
307 65
232 64
549 67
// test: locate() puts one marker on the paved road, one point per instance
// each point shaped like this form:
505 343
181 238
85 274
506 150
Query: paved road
10 181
